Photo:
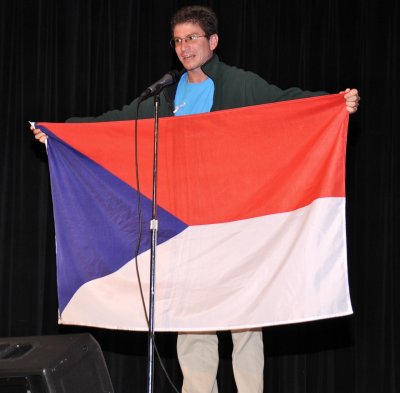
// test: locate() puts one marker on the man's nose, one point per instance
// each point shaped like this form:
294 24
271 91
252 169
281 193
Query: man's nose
184 45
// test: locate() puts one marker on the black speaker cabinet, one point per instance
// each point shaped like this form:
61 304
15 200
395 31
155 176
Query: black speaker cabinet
71 363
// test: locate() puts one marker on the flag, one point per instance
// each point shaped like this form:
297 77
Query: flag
250 209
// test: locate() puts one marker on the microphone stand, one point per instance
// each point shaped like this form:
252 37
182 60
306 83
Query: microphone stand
154 231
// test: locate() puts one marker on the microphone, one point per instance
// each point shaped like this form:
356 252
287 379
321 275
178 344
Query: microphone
169 78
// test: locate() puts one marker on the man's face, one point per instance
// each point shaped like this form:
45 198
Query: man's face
193 54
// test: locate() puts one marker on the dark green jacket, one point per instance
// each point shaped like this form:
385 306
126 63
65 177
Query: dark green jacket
234 88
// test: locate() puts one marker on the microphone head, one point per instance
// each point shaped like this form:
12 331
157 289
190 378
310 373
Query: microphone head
169 78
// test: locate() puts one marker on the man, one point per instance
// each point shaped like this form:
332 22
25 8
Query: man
207 84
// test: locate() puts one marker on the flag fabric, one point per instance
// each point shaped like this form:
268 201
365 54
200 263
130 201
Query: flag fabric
250 209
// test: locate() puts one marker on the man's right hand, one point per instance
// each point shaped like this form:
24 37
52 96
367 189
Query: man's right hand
39 135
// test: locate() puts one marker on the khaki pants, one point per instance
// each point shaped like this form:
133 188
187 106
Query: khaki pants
198 358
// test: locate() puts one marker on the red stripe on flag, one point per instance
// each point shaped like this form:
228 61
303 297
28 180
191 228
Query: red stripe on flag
228 165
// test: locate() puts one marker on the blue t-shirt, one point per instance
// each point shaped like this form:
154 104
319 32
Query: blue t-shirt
192 98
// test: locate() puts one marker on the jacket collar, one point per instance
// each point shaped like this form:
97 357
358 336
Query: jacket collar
210 67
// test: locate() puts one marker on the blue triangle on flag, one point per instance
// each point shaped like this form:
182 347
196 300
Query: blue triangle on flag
96 219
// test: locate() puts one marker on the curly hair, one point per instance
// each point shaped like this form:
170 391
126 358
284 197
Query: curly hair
204 16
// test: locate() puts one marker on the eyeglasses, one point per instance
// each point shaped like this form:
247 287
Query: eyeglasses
190 39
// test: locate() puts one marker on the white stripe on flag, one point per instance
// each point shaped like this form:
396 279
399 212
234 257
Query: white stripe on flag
278 269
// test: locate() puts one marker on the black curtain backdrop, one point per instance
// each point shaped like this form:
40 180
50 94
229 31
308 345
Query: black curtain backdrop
60 58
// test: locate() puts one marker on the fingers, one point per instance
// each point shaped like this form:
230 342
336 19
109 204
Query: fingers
39 135
351 109
351 94
352 100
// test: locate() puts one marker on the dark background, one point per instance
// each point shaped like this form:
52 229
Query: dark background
60 58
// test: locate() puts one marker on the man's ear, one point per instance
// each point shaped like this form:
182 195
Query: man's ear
213 41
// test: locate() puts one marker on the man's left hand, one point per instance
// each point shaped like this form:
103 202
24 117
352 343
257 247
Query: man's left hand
352 100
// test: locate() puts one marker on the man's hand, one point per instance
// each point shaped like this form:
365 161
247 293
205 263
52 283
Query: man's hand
352 100
39 135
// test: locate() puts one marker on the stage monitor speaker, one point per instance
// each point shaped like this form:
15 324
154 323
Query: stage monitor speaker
71 363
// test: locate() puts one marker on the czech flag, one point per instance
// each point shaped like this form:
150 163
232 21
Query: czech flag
250 210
